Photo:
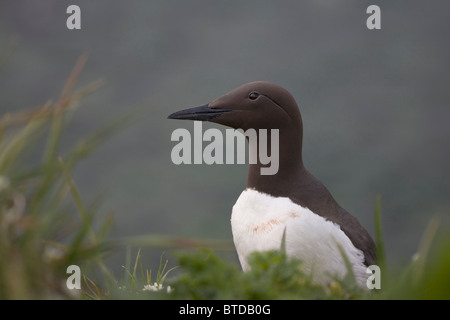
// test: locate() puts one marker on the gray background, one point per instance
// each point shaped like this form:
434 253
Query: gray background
375 104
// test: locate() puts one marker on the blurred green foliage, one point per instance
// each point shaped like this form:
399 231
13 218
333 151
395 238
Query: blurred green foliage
39 233
272 276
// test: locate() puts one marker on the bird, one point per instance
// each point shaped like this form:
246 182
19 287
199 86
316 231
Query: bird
291 208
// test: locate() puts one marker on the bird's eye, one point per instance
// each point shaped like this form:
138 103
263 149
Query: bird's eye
253 95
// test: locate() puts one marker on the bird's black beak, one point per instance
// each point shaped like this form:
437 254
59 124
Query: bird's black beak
202 113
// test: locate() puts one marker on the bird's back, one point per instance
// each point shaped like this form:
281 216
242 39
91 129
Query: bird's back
311 193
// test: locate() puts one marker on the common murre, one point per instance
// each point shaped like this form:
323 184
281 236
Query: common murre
292 200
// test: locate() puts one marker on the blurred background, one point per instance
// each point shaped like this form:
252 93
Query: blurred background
375 104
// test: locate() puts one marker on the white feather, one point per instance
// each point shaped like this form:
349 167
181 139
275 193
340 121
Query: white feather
258 221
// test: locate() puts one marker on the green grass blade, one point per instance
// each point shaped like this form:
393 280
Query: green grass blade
421 256
51 149
12 151
379 241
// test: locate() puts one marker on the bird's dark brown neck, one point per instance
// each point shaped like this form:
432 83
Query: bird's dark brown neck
290 165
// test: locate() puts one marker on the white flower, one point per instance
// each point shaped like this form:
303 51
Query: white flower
156 287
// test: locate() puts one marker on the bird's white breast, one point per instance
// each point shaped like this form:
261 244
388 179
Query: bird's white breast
258 221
